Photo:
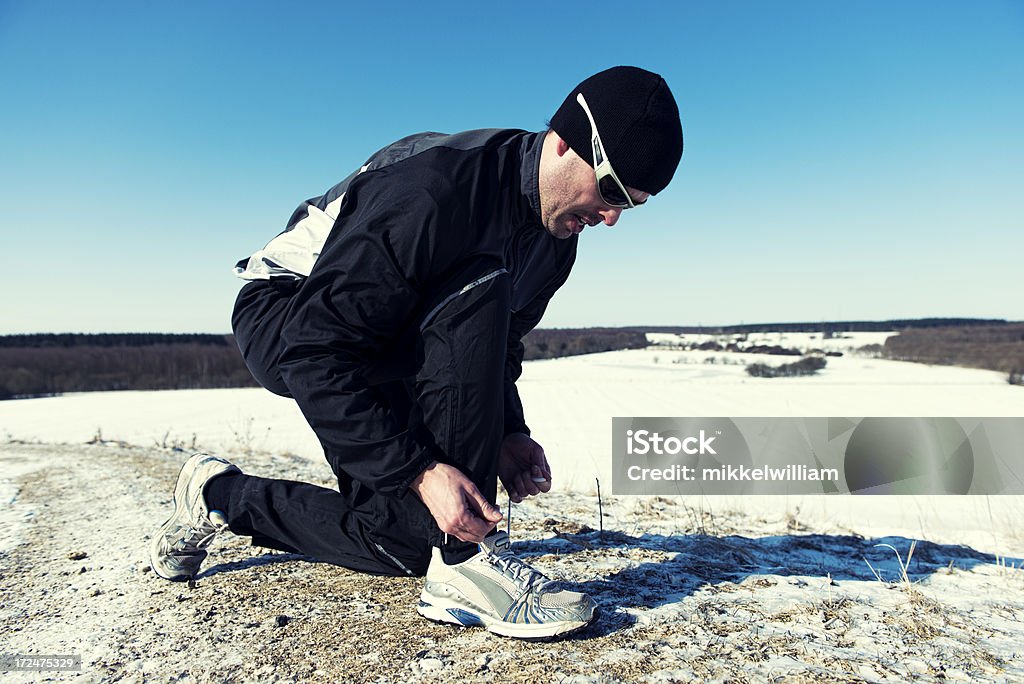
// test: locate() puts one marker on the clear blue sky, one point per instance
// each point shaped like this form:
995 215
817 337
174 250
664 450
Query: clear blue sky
843 160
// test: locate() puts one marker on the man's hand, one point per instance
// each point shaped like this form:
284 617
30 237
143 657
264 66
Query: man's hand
523 467
455 502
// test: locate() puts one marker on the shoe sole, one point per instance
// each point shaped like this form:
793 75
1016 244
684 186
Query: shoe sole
180 508
447 611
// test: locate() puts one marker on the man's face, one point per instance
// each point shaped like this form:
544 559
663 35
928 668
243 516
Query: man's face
569 198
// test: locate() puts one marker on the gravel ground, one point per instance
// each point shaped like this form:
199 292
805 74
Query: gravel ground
684 594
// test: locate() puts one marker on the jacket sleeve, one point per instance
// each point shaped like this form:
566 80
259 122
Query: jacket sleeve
523 321
362 291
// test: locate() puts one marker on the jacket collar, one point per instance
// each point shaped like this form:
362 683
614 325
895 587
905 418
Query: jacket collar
529 150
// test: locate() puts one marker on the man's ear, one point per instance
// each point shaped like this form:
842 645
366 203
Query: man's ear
561 147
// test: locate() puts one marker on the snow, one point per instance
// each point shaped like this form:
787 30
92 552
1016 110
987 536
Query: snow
841 342
14 515
569 405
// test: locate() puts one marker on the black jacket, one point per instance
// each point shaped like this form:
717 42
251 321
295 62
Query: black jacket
425 217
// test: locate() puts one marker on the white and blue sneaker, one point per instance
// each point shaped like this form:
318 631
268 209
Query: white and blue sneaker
497 590
179 547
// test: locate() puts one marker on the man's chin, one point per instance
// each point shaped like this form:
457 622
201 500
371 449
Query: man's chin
560 230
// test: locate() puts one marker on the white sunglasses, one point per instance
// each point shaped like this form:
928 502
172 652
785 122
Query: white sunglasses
612 190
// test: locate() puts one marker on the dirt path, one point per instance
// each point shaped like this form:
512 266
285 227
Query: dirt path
683 594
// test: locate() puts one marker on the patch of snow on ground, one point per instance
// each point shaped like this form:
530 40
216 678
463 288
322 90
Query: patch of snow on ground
14 515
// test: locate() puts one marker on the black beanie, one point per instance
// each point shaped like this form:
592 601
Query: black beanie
638 120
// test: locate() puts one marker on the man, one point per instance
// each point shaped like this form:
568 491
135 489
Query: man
392 310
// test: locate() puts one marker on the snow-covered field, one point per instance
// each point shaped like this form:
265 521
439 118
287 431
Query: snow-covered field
749 588
847 342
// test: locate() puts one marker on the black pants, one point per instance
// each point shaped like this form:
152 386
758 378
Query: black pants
453 396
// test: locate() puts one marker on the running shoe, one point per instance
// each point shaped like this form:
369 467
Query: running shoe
179 548
497 590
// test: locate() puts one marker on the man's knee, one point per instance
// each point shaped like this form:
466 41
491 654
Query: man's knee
257 320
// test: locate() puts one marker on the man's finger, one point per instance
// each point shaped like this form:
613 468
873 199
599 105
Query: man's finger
474 529
468 526
526 486
469 536
545 469
485 508
513 492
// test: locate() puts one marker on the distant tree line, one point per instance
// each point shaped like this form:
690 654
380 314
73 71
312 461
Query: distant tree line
45 340
711 345
828 328
42 365
770 349
806 366
999 348
555 342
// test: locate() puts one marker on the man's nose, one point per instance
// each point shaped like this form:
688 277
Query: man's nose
610 215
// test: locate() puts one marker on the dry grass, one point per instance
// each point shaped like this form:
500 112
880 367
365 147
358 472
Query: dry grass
675 607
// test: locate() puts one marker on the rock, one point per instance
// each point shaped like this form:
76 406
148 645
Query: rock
916 665
282 620
430 665
77 555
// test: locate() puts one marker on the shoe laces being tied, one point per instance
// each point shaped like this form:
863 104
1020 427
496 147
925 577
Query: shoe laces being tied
519 571
534 586
201 533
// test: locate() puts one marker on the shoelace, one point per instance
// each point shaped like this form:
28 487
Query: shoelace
198 537
516 569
